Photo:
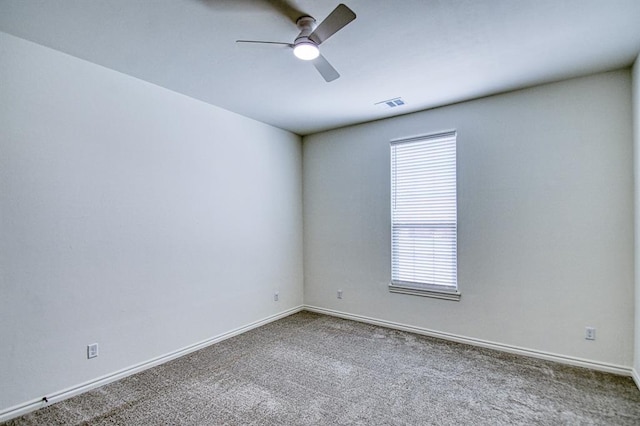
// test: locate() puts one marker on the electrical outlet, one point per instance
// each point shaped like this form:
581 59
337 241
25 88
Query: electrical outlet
590 333
92 350
339 294
276 296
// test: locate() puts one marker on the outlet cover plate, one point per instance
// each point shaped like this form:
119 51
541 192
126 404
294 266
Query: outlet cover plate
92 350
590 333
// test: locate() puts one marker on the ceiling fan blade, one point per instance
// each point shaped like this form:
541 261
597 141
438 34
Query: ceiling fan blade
285 8
265 42
333 23
325 69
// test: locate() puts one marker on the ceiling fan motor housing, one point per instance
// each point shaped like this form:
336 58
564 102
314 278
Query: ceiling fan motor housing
306 25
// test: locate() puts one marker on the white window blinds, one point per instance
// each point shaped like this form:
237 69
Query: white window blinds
423 214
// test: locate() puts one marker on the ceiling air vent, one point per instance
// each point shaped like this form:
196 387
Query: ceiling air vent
390 103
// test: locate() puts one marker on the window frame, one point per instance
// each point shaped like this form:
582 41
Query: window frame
446 292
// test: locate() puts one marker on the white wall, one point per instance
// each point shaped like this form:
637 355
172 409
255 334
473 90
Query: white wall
131 216
636 162
545 202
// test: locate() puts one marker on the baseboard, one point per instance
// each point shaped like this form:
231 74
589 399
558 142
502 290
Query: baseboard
578 362
33 405
636 377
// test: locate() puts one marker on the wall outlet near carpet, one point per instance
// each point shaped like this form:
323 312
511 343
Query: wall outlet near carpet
590 333
276 296
92 350
339 294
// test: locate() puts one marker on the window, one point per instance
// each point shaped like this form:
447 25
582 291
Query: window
423 216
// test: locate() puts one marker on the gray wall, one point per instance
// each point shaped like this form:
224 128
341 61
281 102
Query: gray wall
131 216
545 211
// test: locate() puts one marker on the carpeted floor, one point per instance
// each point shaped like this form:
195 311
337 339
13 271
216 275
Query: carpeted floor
310 369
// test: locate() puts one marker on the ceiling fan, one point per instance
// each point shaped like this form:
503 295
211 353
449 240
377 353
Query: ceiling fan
305 45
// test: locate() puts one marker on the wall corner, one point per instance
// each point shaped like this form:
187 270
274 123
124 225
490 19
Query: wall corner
635 81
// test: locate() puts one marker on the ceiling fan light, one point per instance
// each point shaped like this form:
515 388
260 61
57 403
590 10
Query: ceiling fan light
306 51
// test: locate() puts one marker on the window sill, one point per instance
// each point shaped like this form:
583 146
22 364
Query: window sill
437 294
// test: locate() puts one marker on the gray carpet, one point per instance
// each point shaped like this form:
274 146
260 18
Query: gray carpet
310 369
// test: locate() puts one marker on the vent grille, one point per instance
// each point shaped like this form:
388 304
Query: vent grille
390 103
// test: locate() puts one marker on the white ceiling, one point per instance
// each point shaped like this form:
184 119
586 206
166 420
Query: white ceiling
429 52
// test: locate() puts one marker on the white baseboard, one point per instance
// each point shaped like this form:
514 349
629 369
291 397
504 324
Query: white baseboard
33 405
564 359
636 377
